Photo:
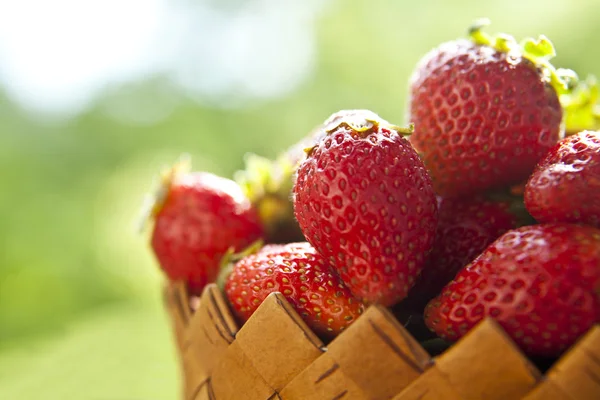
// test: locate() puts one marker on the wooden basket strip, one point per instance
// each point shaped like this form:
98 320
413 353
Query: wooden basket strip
487 364
209 332
378 354
272 347
275 355
322 380
282 350
204 392
234 377
547 390
577 373
431 385
178 314
484 365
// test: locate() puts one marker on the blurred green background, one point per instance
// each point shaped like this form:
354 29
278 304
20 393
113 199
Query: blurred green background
96 96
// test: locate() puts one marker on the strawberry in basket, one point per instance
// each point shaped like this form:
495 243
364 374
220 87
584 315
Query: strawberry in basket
540 282
384 220
485 110
303 276
197 217
565 186
364 200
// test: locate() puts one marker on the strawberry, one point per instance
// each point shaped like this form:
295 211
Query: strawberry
364 200
466 227
540 282
305 279
565 186
197 217
485 111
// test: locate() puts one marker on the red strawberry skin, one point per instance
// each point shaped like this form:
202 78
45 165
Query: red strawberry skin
540 282
305 279
364 200
466 227
483 118
202 216
565 186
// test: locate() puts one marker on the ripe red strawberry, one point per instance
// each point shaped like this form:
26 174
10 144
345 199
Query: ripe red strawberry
364 200
305 279
197 217
485 111
466 227
565 186
540 282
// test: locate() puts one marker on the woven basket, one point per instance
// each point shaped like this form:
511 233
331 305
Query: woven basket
276 356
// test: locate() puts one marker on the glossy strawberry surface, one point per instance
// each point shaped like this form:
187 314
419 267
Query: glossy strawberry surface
540 282
364 200
305 279
565 186
466 227
201 217
483 117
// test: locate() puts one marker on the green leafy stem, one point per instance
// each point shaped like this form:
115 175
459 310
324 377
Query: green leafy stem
539 51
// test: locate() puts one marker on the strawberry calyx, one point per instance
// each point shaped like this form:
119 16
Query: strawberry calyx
360 121
539 51
268 184
231 257
370 126
363 122
156 197
582 106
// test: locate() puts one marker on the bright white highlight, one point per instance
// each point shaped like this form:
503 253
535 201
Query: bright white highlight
57 55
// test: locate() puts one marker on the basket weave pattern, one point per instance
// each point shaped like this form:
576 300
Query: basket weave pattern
274 355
